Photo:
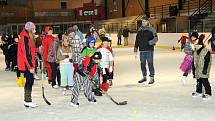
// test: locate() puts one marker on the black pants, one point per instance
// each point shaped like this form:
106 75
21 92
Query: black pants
119 42
29 80
8 60
107 76
28 86
205 83
55 73
58 75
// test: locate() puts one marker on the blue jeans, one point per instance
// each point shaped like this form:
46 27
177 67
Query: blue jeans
147 56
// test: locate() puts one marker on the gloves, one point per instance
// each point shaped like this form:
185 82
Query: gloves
70 60
111 69
204 72
103 71
66 56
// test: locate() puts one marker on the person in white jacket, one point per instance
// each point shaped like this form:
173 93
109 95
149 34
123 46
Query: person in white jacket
106 61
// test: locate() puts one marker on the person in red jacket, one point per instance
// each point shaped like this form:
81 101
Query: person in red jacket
26 60
46 44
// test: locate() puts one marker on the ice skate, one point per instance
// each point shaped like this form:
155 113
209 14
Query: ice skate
196 94
30 104
74 105
55 86
206 97
92 101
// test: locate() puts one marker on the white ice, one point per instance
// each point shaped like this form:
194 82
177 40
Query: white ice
166 100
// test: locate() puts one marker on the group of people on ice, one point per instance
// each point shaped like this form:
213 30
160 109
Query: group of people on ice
70 62
76 64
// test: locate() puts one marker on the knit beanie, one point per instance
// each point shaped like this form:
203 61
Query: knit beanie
29 26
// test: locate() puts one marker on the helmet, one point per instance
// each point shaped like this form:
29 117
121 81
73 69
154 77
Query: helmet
97 55
90 39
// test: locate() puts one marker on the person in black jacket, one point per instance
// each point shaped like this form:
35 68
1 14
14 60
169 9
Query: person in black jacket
146 39
125 34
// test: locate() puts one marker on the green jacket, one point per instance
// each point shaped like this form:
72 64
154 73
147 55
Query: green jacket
88 52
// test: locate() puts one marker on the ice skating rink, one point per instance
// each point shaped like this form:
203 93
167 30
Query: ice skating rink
166 100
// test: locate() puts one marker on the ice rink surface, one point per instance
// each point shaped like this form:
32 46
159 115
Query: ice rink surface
166 100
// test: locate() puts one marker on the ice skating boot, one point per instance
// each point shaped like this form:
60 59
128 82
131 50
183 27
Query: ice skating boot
92 101
144 79
196 94
30 104
74 105
206 97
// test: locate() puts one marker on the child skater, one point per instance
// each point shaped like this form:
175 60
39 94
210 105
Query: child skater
186 65
66 57
90 74
201 69
106 62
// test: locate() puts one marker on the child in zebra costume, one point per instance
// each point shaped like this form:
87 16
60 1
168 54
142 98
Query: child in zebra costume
88 69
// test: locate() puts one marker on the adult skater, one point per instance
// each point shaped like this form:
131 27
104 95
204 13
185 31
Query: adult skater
146 39
26 60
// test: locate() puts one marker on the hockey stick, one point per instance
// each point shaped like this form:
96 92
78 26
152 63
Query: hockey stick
117 103
43 91
104 92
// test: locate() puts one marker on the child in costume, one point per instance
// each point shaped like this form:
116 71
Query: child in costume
89 50
65 56
77 46
106 62
186 65
201 69
88 69
53 62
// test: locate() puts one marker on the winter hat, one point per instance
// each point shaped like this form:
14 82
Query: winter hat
195 34
201 38
90 39
97 55
104 39
29 26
